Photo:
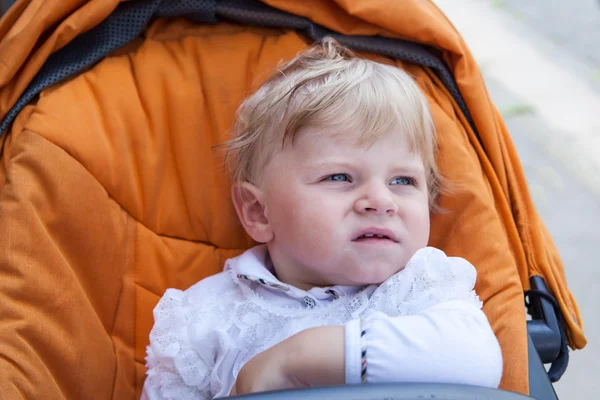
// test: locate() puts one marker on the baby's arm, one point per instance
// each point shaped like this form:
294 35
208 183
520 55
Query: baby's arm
313 357
441 335
451 342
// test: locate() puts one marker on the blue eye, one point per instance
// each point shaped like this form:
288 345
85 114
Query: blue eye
338 178
402 181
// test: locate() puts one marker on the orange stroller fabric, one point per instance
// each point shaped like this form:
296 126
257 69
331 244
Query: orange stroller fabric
111 192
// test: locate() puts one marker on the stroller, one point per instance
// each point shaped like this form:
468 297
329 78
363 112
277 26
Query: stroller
111 192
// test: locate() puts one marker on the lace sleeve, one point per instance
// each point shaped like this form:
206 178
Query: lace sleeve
429 278
176 367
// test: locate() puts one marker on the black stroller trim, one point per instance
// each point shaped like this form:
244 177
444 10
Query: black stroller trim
5 5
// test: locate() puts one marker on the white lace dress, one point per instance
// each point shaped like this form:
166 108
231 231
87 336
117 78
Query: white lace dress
427 316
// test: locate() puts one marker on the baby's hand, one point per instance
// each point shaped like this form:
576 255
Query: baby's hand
314 357
264 372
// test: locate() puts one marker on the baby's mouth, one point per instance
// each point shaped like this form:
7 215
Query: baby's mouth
372 236
375 235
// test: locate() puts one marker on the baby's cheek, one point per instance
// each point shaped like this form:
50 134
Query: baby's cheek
316 233
422 228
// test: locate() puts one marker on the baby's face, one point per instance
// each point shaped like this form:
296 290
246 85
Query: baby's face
343 214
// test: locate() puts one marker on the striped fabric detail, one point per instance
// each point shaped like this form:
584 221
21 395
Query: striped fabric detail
330 292
363 352
263 282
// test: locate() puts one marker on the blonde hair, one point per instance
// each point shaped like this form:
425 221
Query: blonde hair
328 85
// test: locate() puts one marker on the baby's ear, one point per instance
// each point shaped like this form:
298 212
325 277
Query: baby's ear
248 201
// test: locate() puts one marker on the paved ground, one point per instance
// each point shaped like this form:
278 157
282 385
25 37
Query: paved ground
570 24
541 63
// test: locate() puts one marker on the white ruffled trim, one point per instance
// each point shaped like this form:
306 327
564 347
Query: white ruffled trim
429 278
174 364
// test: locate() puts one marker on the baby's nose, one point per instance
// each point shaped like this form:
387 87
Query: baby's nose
377 201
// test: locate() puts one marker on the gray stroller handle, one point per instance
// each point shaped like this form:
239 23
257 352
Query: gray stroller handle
388 391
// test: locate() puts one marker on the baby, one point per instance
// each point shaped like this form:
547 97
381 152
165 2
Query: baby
334 174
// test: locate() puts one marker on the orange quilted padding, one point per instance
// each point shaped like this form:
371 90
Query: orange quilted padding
111 191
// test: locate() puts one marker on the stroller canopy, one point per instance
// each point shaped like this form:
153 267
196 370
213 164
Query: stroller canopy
111 191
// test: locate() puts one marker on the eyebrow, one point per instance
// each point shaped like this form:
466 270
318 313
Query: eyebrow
409 169
345 165
331 164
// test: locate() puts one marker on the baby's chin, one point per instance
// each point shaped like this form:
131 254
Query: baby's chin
374 276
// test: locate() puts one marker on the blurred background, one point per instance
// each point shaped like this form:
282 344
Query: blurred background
541 63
